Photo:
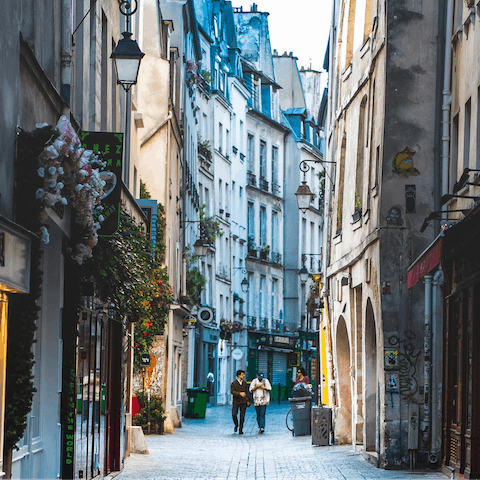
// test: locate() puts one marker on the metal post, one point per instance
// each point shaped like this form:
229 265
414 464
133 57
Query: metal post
128 120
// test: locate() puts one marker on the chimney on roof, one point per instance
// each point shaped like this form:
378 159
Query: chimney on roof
291 54
253 8
275 52
285 54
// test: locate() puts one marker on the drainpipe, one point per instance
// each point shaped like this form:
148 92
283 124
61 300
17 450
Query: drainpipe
437 344
447 97
437 170
427 366
66 54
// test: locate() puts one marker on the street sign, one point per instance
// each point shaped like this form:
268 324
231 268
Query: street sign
237 354
145 360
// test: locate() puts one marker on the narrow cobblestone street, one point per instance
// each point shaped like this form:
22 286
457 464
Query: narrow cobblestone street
208 449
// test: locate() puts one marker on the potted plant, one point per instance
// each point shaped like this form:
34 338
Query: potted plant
357 214
264 252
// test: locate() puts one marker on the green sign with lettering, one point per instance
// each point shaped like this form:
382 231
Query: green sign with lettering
109 147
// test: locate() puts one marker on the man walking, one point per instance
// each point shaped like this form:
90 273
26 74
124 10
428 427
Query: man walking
241 401
260 387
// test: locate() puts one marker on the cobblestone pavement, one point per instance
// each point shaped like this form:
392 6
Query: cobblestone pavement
209 450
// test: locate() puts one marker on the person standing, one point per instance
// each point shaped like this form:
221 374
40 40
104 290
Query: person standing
241 400
260 387
302 376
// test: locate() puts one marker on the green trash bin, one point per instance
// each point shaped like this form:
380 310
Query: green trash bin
197 402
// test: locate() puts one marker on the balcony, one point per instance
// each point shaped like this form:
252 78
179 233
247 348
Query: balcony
263 323
263 184
251 179
251 323
252 250
277 258
276 189
277 325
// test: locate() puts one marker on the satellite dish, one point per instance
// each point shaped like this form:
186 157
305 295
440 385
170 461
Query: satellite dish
205 315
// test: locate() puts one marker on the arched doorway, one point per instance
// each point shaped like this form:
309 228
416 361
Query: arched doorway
371 381
343 418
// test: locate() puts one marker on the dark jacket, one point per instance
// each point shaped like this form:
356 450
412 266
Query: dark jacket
236 388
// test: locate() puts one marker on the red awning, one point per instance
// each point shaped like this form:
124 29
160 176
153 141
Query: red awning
425 263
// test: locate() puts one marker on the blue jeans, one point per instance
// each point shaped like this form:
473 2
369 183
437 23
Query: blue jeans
261 409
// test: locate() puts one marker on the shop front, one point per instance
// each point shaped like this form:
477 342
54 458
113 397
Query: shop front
461 265
206 368
15 247
272 354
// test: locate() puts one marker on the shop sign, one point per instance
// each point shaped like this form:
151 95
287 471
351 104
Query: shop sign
237 354
145 359
109 147
282 340
210 336
427 261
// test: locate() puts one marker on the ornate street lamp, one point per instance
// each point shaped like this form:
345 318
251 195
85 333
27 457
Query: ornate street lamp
303 274
244 285
127 55
304 196
201 247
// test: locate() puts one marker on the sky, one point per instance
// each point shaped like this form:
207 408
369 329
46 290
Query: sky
299 26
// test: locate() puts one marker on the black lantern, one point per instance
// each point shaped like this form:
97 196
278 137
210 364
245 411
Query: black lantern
201 247
304 196
244 284
303 274
127 57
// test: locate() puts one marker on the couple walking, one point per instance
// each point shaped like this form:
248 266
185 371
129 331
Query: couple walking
260 389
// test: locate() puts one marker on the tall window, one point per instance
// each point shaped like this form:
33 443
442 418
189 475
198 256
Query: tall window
341 179
263 226
220 194
261 296
274 168
263 160
240 142
273 301
207 202
220 137
454 153
304 235
251 221
250 154
360 155
466 134
275 230
227 145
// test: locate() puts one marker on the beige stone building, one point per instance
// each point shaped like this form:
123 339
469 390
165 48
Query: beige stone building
381 137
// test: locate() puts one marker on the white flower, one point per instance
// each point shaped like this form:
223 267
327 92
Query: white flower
44 236
79 187
60 185
41 172
52 170
101 218
60 170
39 193
52 183
64 201
50 152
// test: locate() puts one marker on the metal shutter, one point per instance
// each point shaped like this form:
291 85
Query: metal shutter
279 374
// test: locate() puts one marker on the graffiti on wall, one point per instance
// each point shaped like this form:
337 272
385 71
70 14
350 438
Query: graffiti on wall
407 362
403 163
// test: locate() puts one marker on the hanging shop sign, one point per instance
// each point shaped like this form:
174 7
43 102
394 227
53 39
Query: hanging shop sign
429 259
109 147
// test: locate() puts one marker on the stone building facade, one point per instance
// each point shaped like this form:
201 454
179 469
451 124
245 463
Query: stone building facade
381 138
